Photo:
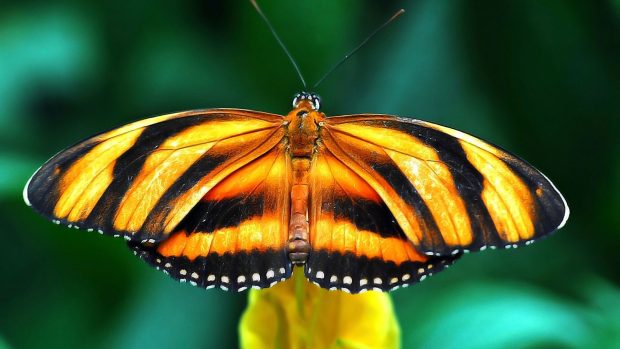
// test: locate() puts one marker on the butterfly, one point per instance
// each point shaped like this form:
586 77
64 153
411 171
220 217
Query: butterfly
236 198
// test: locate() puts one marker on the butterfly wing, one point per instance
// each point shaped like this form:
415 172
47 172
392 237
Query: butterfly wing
448 191
140 180
234 237
205 192
356 241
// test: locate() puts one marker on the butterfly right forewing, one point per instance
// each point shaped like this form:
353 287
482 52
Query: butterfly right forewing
450 192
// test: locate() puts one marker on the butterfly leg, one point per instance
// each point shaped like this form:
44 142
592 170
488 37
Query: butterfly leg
298 245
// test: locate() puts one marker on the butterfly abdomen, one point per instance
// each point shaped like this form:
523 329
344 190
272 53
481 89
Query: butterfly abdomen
298 245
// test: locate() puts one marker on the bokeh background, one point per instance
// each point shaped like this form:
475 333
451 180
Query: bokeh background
541 78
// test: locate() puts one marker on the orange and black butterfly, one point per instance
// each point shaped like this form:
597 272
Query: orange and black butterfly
234 198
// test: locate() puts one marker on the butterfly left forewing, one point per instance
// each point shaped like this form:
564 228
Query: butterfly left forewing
140 180
449 191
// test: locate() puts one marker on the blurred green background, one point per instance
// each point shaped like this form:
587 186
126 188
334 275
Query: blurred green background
540 78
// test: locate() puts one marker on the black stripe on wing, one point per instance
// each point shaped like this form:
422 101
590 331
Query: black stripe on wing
365 214
209 216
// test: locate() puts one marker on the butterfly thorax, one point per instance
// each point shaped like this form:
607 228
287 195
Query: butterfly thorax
303 132
303 128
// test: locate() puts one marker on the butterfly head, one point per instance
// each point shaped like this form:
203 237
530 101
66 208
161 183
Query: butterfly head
309 100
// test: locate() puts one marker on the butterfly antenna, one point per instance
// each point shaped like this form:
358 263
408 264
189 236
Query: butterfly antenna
275 35
348 55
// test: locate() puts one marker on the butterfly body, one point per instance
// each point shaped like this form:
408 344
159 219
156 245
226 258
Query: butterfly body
303 124
234 198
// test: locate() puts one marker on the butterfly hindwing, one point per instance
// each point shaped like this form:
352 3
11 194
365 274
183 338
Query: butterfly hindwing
140 180
449 191
356 242
234 237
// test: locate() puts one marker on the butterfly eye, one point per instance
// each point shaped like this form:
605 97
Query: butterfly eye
297 97
316 101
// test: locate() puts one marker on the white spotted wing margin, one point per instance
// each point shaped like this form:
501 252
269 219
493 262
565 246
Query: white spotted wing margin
357 274
234 272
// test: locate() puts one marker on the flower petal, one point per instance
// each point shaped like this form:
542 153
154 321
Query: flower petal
297 314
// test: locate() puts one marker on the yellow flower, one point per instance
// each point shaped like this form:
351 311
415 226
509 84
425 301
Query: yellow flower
296 314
